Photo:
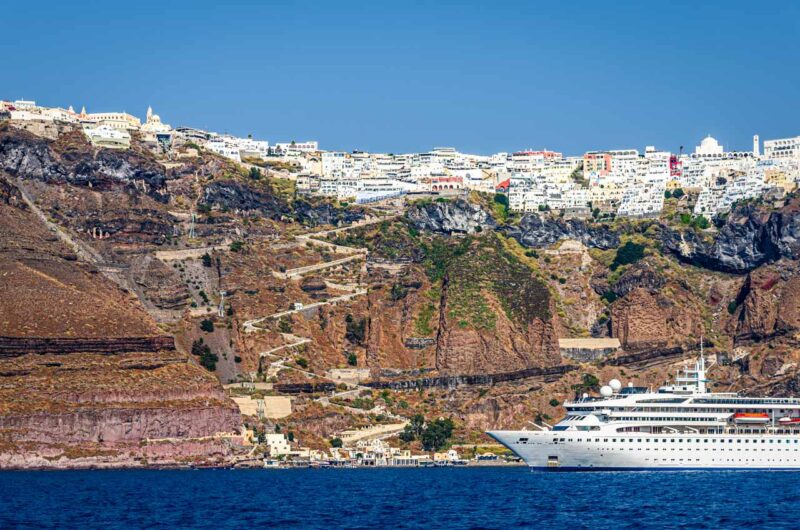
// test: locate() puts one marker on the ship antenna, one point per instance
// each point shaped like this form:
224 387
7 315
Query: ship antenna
701 368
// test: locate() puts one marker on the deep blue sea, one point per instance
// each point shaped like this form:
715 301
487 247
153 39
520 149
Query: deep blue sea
460 498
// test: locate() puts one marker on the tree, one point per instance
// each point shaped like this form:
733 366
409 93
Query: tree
236 246
352 359
667 194
678 193
209 360
414 429
436 434
198 347
207 326
700 222
628 253
554 402
206 260
255 173
355 331
302 362
500 206
336 442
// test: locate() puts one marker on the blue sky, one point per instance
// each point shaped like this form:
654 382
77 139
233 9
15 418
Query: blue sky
408 76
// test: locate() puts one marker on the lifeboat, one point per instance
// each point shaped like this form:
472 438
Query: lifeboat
751 417
789 421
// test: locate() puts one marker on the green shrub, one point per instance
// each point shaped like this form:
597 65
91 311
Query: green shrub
398 292
356 330
628 253
207 326
209 361
284 325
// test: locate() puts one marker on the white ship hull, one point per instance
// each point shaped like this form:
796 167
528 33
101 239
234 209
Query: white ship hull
585 451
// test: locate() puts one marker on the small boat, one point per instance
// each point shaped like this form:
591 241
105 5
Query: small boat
789 421
751 417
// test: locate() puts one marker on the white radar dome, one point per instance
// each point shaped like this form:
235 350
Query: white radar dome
615 385
606 391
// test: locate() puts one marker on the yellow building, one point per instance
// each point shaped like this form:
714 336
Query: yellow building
122 121
780 179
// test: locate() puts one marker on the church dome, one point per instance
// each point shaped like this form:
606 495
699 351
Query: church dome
709 146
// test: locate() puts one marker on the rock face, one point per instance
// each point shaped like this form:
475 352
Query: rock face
749 239
86 376
316 214
458 216
770 305
111 411
508 348
639 275
638 321
537 232
232 195
72 160
16 346
494 316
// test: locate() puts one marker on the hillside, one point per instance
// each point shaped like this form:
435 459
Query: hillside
135 285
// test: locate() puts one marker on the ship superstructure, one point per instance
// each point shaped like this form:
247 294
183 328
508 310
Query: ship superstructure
679 426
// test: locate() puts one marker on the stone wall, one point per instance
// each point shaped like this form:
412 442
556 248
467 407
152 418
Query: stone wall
16 346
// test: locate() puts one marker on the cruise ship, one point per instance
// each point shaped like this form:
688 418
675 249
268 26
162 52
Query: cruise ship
679 426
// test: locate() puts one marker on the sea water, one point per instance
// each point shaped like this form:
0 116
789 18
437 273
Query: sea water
464 498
